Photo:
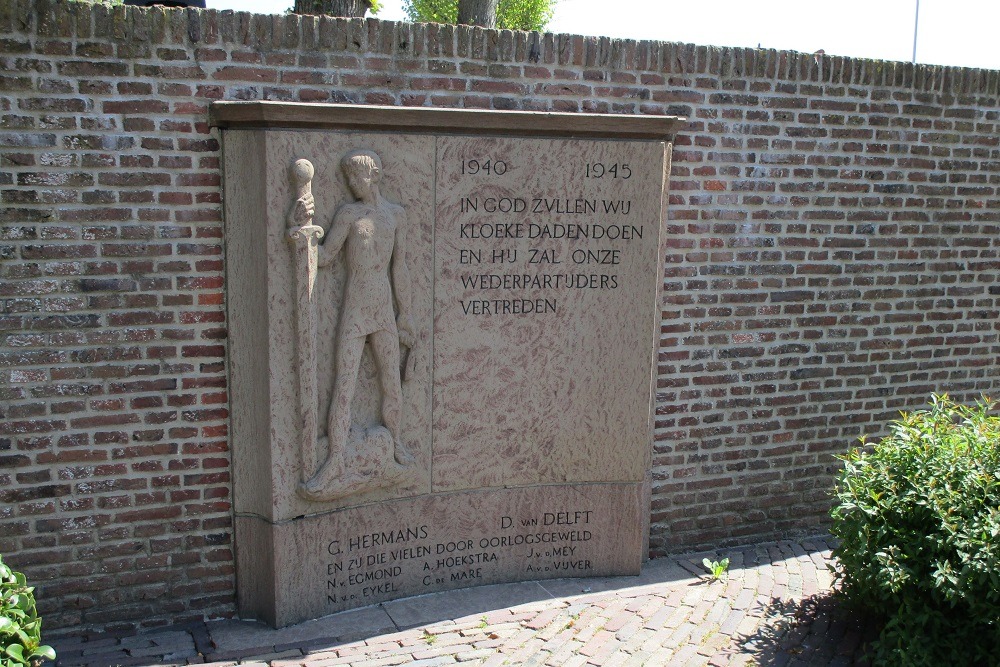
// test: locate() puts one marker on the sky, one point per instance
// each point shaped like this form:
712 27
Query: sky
949 32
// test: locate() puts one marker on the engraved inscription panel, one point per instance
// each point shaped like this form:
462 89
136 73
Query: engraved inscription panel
366 555
546 256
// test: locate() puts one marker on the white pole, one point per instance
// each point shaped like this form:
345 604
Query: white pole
916 22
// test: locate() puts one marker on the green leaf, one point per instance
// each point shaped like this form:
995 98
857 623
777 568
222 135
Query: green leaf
46 652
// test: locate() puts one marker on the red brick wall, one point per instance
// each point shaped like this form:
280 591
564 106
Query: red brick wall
834 258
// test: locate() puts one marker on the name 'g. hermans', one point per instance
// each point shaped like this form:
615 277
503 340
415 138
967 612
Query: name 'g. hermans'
388 537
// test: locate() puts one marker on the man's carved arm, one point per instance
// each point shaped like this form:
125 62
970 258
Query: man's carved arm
401 284
335 238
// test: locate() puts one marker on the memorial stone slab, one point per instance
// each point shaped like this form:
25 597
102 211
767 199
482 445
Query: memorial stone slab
443 335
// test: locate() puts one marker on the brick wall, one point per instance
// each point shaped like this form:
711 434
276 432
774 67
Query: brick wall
834 258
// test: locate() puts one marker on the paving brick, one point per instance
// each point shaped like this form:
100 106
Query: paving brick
386 661
434 651
576 661
434 662
659 618
601 643
543 619
474 654
618 621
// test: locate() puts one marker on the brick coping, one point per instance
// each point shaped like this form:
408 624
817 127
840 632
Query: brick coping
194 27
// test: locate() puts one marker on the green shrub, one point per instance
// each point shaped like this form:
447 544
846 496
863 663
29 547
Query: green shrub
20 626
918 521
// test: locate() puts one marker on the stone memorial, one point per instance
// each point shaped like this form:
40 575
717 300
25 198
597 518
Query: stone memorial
443 327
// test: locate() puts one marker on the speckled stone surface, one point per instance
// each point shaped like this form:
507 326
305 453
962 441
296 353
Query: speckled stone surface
560 394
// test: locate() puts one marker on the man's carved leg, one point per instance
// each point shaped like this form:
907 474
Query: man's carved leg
385 345
339 420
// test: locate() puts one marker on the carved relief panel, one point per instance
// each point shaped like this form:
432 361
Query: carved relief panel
367 238
443 328
345 265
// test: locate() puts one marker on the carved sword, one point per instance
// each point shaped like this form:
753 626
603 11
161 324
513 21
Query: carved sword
305 239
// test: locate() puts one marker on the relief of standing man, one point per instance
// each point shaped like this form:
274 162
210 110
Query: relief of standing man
376 308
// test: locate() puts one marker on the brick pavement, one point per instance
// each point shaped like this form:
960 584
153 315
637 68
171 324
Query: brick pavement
773 608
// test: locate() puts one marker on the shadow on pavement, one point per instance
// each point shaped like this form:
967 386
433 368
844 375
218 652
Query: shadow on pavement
818 630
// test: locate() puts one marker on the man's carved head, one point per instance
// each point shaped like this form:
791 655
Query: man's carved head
363 168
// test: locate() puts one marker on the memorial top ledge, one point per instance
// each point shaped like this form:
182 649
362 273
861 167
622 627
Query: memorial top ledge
297 115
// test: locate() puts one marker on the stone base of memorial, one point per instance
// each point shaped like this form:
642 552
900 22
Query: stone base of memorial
363 555
443 334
